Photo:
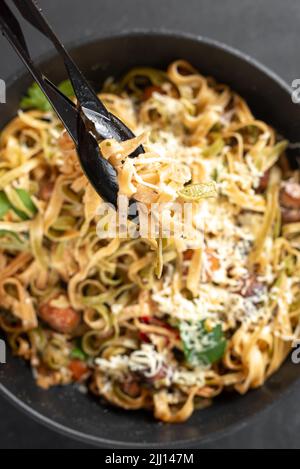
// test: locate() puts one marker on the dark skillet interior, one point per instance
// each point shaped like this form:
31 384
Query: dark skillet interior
65 409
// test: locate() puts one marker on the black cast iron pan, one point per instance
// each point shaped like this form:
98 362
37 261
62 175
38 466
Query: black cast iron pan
83 417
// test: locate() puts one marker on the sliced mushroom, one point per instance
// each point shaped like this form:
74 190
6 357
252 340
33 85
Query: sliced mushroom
290 202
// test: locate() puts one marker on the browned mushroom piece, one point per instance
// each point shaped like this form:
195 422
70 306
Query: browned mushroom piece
290 202
46 190
264 182
150 90
132 388
290 215
251 287
63 320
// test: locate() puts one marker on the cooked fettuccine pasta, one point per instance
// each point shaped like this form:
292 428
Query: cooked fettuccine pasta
149 322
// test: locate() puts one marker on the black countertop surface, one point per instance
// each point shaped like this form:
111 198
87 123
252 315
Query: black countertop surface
266 29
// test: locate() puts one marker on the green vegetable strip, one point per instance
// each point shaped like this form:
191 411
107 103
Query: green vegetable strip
19 201
202 347
36 99
5 204
78 354
26 201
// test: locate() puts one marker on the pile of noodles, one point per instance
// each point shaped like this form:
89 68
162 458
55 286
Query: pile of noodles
193 131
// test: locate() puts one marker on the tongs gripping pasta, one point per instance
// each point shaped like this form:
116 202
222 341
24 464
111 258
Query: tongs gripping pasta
87 122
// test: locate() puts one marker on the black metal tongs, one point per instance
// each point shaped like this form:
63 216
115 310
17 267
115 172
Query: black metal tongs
89 120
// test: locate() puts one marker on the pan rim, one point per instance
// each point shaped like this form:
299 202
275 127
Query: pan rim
102 441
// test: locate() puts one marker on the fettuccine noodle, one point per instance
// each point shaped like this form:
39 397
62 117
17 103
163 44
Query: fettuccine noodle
152 323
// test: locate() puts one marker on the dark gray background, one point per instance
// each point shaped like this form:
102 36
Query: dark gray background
266 29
